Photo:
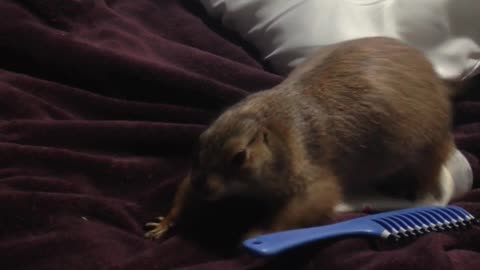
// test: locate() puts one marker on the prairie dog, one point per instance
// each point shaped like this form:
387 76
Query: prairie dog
353 114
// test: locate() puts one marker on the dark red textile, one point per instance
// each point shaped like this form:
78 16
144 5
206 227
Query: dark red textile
100 102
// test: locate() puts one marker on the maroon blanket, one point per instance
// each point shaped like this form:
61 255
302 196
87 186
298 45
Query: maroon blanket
100 102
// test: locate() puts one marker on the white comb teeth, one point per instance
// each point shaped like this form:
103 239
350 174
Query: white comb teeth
414 223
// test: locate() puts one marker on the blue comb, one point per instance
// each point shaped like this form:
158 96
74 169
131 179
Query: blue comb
394 224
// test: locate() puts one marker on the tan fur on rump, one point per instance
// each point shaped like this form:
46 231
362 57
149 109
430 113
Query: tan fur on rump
353 114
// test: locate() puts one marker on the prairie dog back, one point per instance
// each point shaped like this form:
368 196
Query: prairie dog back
384 101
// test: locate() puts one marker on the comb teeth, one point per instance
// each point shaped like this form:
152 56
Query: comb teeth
417 222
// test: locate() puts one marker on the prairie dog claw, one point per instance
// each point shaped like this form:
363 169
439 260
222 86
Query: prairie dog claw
159 228
154 224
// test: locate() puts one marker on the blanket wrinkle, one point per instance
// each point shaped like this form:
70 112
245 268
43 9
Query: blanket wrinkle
100 104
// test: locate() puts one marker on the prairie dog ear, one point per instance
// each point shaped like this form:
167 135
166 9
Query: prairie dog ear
261 137
254 153
246 150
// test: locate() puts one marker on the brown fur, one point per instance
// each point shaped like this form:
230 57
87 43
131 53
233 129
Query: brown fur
354 113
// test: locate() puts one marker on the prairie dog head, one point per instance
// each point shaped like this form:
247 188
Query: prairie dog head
238 157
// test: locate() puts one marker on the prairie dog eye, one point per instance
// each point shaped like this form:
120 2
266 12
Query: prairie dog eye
239 158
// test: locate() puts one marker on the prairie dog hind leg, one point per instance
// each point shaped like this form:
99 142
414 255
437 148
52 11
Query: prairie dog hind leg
378 202
435 186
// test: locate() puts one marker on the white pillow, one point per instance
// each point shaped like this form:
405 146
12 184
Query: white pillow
287 31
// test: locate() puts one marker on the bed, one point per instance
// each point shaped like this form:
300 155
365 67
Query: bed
100 103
